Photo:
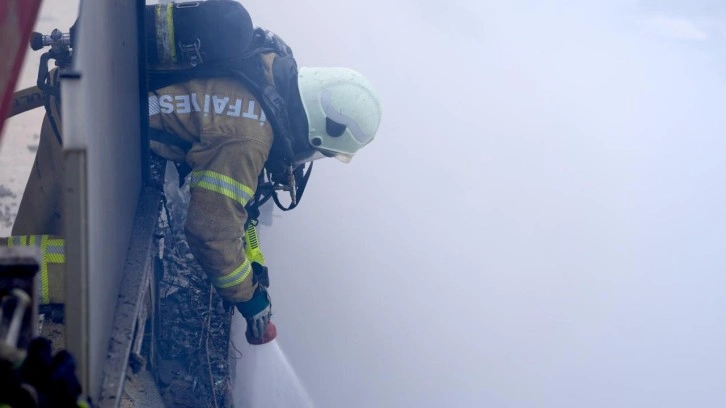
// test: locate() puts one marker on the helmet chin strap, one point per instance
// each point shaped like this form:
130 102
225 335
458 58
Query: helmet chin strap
291 186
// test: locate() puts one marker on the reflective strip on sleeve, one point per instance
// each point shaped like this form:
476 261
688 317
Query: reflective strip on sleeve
219 183
24 240
55 251
38 241
235 278
44 291
52 251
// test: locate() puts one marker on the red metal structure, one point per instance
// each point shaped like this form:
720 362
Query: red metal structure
17 18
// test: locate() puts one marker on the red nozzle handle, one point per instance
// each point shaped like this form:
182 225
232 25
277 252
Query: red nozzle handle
270 334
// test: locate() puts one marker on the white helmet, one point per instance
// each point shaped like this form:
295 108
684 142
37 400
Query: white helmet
342 109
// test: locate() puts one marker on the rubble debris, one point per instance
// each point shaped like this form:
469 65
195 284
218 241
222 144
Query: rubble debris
194 327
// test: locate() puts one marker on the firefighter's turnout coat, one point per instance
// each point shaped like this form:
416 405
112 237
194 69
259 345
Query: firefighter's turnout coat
230 141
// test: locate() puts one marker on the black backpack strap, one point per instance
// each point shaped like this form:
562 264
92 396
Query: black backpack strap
282 173
168 139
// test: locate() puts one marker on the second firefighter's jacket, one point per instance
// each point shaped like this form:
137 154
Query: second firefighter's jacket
230 142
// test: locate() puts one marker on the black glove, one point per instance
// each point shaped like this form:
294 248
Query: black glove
260 274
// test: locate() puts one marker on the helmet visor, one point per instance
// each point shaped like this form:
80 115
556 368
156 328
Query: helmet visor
352 128
314 154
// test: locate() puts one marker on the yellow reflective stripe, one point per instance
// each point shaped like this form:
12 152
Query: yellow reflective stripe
39 241
170 30
252 248
165 42
235 278
219 183
52 251
55 251
159 33
44 292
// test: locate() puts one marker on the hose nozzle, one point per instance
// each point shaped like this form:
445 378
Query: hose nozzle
270 334
54 39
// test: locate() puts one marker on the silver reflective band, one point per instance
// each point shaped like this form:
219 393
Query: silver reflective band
352 126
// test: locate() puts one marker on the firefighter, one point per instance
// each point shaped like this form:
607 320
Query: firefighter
227 139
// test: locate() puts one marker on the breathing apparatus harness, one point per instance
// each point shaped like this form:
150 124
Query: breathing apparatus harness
281 172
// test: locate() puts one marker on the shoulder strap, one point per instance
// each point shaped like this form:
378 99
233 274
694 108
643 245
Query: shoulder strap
168 139
249 70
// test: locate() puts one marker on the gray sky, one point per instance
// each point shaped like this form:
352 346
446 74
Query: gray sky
540 222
